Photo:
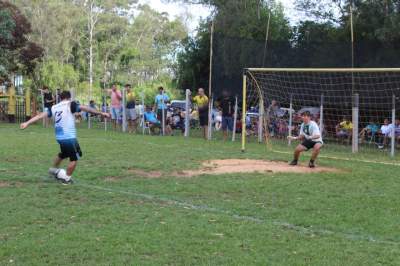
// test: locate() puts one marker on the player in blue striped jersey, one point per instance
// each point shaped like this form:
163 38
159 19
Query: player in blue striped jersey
63 115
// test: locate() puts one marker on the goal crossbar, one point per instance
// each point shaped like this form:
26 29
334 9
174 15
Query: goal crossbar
324 70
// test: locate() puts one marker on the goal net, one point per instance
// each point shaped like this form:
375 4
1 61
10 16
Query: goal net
355 108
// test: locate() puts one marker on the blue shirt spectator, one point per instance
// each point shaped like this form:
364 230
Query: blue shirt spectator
150 116
161 99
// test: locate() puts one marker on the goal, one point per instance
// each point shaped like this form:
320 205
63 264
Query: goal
354 107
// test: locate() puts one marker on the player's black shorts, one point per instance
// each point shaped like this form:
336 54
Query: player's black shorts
203 118
309 144
70 149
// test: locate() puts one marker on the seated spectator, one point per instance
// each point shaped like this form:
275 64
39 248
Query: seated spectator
178 119
384 134
151 119
344 129
397 130
218 120
370 131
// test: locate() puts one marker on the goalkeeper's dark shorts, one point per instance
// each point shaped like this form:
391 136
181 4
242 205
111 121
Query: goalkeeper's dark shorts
309 144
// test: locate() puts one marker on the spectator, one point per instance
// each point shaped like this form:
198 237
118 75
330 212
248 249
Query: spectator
151 118
48 99
370 131
226 106
178 119
273 112
397 130
130 109
92 105
344 129
58 99
161 101
384 133
218 120
116 107
201 100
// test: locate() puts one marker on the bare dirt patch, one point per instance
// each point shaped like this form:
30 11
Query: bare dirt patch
6 184
217 167
230 166
146 174
111 178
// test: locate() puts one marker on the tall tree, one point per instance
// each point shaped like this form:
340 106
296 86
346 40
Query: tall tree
16 52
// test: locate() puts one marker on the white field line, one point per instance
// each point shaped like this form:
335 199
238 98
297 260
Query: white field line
300 229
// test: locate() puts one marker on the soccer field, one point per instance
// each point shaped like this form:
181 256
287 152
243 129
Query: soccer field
127 207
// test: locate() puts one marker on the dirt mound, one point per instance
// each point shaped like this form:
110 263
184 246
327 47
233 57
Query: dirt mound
216 167
229 166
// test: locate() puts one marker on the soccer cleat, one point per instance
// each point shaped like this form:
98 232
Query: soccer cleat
53 172
294 162
311 164
66 182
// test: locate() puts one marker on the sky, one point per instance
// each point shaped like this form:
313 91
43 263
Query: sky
198 11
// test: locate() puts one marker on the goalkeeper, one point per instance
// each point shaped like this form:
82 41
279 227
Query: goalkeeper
311 138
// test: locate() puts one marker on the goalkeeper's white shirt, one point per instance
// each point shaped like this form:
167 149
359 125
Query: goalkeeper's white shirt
309 130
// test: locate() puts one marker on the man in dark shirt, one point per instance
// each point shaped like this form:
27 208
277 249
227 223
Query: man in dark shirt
226 105
48 102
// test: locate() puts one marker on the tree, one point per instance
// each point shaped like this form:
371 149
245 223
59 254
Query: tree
16 52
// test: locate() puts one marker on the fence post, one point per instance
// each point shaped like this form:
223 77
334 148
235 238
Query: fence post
142 115
42 96
290 119
355 116
260 120
235 115
104 109
28 112
321 115
187 113
210 110
393 144
123 109
163 113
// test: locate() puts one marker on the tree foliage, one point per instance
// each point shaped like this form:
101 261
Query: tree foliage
17 53
131 42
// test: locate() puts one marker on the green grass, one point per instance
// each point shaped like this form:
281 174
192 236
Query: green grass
111 216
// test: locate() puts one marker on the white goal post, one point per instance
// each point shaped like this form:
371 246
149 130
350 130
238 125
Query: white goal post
350 104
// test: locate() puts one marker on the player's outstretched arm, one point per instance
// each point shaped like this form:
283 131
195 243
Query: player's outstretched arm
93 111
300 137
33 120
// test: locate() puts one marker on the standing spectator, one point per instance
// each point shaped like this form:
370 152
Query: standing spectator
48 98
161 101
130 108
92 105
272 115
58 99
116 107
227 108
201 100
